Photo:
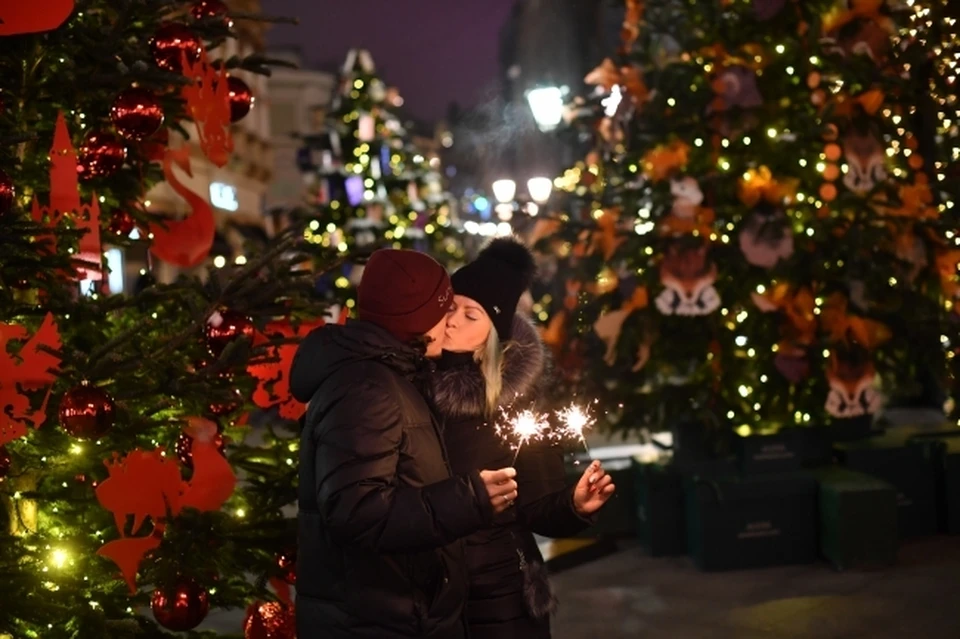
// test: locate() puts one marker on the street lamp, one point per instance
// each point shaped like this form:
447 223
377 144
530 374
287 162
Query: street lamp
547 106
504 191
539 189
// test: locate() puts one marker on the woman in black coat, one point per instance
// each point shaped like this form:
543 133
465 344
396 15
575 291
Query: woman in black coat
494 360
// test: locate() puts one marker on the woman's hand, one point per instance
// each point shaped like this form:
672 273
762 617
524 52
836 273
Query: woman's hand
501 488
593 490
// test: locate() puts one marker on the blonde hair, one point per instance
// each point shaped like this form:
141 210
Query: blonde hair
489 358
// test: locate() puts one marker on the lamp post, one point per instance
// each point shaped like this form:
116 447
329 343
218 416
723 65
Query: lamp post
504 190
547 106
539 189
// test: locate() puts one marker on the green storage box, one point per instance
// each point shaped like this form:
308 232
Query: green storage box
779 452
950 487
751 522
910 466
618 517
858 519
661 520
948 478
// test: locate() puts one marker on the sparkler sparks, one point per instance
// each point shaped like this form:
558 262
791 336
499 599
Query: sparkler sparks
523 427
574 421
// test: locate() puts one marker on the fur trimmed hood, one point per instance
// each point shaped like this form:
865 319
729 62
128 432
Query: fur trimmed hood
459 391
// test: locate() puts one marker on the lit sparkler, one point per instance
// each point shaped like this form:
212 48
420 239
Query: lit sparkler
525 426
574 421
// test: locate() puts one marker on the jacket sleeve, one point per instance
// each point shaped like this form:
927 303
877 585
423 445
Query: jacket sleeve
545 500
362 503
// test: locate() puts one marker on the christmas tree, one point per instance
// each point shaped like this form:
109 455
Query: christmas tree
375 185
764 234
134 496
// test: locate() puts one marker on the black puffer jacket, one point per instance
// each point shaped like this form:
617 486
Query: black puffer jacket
509 593
379 513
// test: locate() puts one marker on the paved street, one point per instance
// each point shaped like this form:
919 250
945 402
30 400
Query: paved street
630 595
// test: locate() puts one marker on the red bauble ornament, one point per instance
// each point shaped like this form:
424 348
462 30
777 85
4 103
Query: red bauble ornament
7 193
184 446
87 411
180 606
287 563
271 620
101 155
136 114
241 98
5 462
170 42
224 327
210 9
122 224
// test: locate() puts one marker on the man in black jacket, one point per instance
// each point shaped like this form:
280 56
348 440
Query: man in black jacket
380 516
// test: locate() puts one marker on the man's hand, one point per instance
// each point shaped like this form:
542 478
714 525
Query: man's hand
501 487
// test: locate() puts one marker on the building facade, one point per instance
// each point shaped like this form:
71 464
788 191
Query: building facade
299 99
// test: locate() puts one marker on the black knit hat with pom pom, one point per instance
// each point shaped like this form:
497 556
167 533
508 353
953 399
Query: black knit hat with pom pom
498 277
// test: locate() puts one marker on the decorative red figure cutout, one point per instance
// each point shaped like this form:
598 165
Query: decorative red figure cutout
208 103
65 201
17 18
29 370
187 242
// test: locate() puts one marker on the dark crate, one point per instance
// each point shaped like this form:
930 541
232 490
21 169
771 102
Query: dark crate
853 429
618 517
947 469
950 485
751 522
780 452
910 466
858 519
661 520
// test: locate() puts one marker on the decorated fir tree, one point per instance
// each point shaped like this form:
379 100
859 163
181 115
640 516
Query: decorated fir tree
765 234
135 497
375 185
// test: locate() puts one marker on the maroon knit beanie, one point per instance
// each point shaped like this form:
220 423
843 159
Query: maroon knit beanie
405 292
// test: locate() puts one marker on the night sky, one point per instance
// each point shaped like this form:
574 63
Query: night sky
433 51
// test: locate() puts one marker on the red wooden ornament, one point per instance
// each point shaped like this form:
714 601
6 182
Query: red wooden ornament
172 43
208 105
213 480
241 98
136 113
31 369
272 370
65 202
225 327
7 193
141 485
181 606
187 242
270 620
33 17
184 446
87 411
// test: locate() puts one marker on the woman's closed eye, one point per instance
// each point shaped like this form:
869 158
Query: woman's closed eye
472 318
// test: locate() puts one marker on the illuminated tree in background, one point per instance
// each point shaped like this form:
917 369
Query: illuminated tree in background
376 187
134 498
764 234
